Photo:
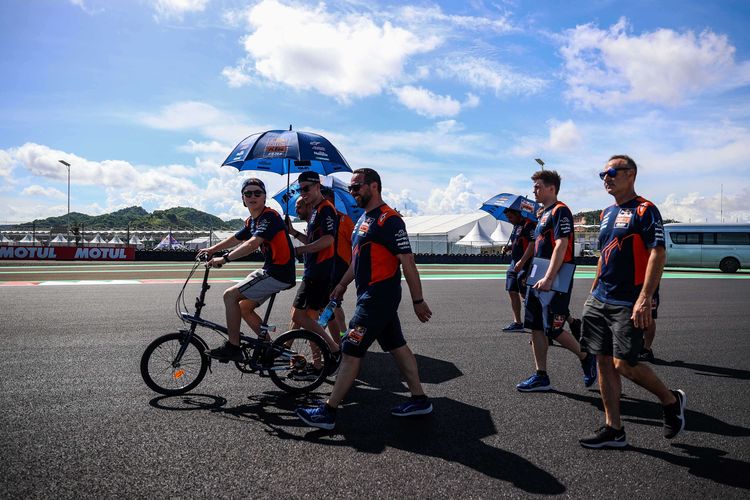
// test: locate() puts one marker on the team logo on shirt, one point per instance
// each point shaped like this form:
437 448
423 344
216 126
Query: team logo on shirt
544 219
623 218
364 227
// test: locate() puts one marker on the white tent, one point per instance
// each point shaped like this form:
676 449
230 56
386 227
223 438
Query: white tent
29 240
438 234
6 241
203 241
116 241
476 238
135 241
58 241
502 232
169 243
97 240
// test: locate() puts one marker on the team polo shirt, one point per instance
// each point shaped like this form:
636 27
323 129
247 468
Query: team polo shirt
555 222
626 235
323 221
379 236
344 241
522 235
277 248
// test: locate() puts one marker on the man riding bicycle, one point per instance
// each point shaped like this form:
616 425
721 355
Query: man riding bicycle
264 229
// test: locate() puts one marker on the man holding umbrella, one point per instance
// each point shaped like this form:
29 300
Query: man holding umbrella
521 251
381 247
319 252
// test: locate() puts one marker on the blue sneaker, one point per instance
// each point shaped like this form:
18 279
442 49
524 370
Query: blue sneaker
589 370
535 383
317 417
514 327
412 408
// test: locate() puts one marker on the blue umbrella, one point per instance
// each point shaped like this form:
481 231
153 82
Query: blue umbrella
344 201
503 201
286 151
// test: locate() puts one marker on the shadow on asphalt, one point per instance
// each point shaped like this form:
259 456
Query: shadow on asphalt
454 433
706 370
706 463
645 412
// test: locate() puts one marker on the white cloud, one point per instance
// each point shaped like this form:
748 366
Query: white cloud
434 15
343 55
697 207
426 103
482 73
459 197
176 9
404 201
236 77
563 135
184 115
6 164
610 68
45 192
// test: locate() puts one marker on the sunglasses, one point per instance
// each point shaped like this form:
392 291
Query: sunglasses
353 188
612 172
250 194
305 189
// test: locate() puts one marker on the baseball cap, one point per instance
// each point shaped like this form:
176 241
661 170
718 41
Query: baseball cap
308 176
253 181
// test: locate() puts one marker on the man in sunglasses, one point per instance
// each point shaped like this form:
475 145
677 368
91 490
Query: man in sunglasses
546 309
319 252
633 253
264 229
380 248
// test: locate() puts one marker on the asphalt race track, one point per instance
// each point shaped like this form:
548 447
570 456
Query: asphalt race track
76 420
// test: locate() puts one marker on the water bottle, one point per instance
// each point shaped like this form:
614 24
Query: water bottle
327 313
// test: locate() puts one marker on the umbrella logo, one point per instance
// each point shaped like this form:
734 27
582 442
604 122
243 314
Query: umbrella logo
276 147
526 206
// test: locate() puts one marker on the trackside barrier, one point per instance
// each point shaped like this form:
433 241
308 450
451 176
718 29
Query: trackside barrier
66 253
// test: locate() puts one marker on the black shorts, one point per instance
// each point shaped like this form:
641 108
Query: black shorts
609 330
313 294
655 305
515 282
546 311
371 322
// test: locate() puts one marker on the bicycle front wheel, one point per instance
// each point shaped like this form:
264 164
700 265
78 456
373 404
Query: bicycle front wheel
164 374
298 361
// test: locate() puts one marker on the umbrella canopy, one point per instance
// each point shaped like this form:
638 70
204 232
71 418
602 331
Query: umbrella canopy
344 201
499 203
476 238
285 151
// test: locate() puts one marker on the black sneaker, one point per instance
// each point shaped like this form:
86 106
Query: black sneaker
575 329
674 415
227 352
646 355
605 437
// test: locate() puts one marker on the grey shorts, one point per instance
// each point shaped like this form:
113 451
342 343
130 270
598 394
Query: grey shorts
259 286
608 330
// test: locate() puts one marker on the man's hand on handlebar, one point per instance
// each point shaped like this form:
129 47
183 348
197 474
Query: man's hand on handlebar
216 262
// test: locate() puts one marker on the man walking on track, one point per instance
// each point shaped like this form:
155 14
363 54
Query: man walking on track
633 253
381 248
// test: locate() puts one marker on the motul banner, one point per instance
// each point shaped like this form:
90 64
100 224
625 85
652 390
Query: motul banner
66 253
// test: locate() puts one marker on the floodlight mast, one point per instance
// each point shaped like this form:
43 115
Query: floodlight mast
540 162
68 166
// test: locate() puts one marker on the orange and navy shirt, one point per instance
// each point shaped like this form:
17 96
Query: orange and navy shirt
277 248
522 235
379 236
626 235
323 222
343 245
555 222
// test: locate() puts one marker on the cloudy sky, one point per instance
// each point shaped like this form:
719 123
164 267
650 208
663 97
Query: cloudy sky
450 100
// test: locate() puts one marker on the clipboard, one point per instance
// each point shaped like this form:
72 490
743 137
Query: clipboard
563 282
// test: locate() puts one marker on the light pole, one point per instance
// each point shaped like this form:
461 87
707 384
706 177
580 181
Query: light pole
68 165
540 162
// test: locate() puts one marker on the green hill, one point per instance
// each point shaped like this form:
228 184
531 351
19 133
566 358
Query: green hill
139 219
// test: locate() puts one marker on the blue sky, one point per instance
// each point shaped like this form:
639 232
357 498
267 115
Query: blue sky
450 101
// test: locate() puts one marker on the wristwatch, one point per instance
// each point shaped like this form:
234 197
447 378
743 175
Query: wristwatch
226 258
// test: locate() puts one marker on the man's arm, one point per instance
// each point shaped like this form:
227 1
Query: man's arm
299 235
525 257
598 270
315 246
246 248
411 274
642 309
558 254
340 288
230 242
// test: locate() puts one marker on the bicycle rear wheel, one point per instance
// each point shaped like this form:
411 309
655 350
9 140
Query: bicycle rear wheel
163 375
298 361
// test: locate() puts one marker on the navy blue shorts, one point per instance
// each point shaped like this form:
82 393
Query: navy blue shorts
547 314
373 322
515 282
655 305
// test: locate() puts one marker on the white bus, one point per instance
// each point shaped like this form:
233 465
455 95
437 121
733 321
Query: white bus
722 246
